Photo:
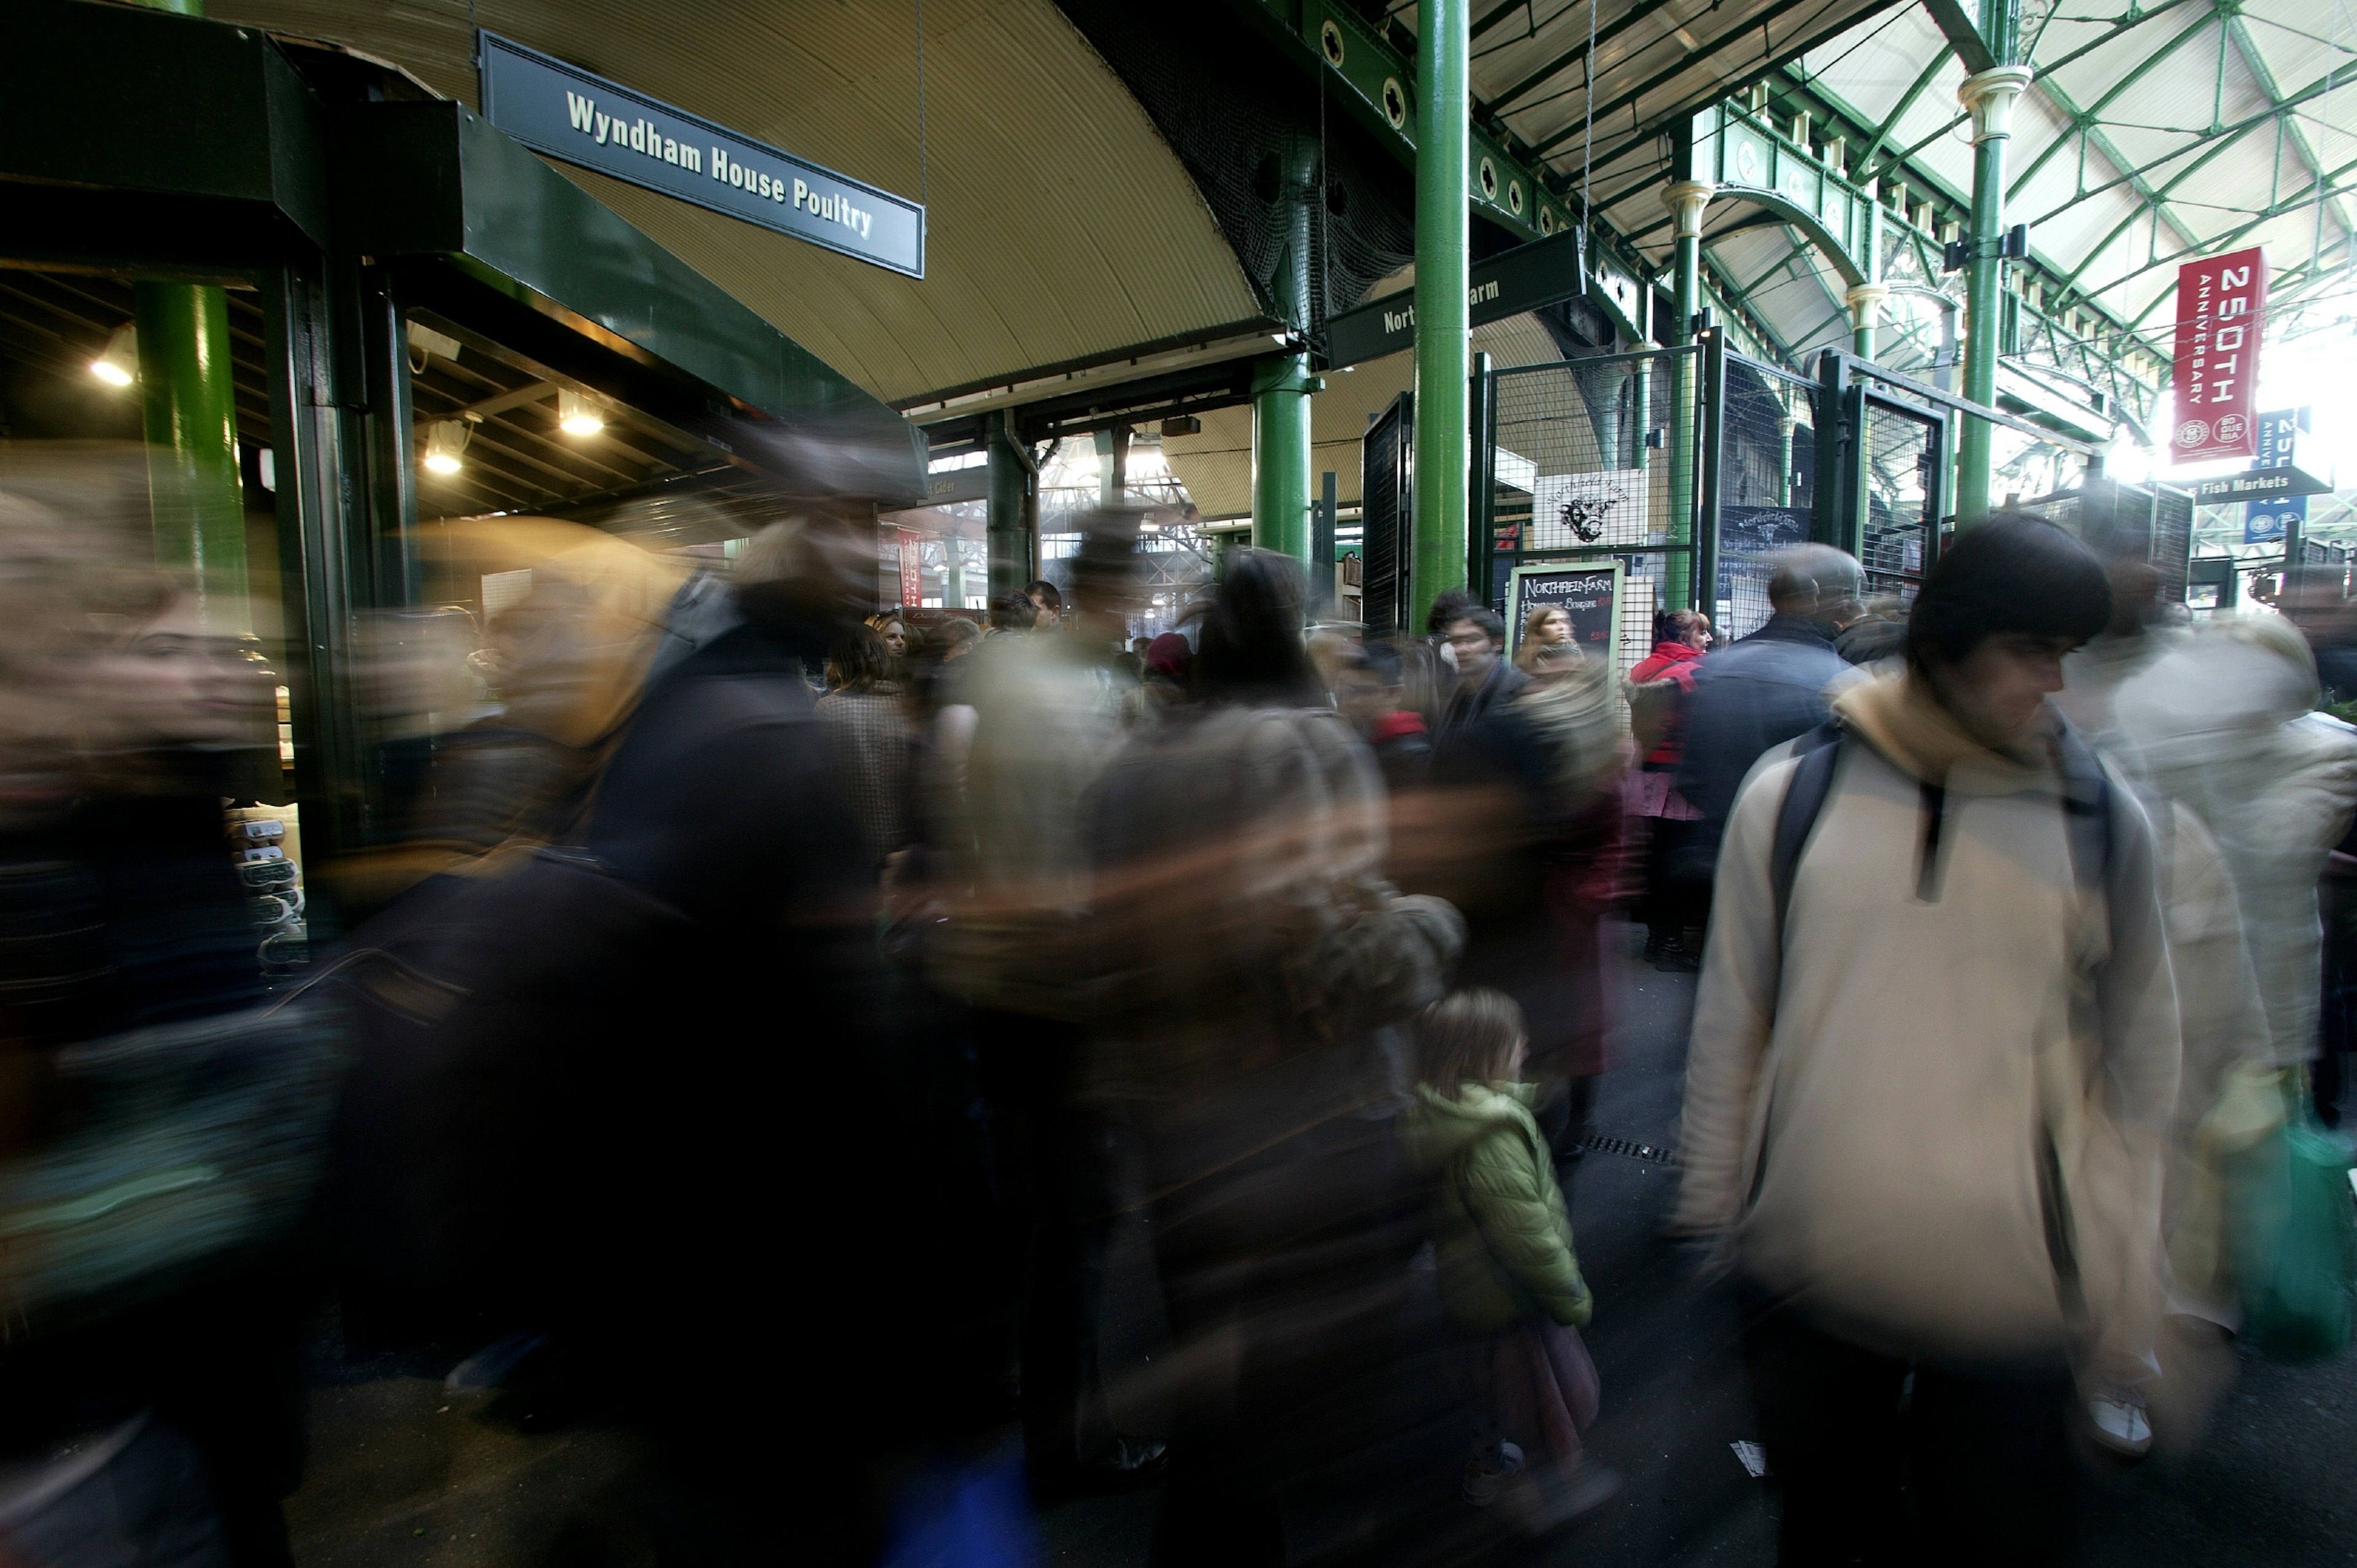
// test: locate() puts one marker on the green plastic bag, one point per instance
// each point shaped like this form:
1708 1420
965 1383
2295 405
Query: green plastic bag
2293 1235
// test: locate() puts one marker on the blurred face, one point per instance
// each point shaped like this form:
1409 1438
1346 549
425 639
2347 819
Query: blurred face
172 682
896 639
1046 616
1362 698
1997 691
1553 628
1517 1059
1697 633
1475 652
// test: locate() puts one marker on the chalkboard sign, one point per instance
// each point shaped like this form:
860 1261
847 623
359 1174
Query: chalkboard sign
1590 591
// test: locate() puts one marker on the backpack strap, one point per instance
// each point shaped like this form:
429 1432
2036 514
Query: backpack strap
2086 810
1804 797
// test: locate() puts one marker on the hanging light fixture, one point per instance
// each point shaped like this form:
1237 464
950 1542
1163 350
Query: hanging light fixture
119 365
576 414
445 439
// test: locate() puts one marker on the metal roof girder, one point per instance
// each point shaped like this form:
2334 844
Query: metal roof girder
2088 117
1760 22
1899 110
1379 84
2110 150
2156 201
2230 17
2278 209
1564 61
2235 132
1712 147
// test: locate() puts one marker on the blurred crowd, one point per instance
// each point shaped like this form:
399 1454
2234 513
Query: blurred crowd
741 1020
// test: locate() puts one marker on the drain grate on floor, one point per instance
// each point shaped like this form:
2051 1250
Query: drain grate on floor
1630 1149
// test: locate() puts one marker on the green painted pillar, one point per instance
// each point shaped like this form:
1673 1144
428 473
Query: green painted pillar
190 414
1010 499
1988 97
189 402
952 570
1865 315
1685 199
1442 318
1282 386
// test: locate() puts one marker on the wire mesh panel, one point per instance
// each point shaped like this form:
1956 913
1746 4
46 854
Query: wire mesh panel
1901 472
1767 486
2172 541
1597 458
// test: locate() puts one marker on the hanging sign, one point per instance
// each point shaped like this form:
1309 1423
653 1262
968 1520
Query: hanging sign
1589 592
2263 520
578 118
1528 277
912 568
2260 484
2222 302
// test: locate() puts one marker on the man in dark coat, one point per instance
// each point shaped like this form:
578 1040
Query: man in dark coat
1765 688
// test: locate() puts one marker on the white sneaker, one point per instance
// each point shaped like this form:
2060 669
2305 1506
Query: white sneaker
2120 1424
1487 1473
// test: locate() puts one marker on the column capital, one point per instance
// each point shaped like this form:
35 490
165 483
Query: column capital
1988 97
1865 301
1685 199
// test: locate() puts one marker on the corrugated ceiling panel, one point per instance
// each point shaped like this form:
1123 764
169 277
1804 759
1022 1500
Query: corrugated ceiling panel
1060 225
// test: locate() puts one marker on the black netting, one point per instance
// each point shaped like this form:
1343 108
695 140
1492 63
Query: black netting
1767 486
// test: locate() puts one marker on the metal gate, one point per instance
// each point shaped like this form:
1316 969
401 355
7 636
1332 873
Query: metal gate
1691 466
1766 487
1599 459
1387 510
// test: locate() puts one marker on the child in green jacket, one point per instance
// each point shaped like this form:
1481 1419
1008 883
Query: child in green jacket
1502 1247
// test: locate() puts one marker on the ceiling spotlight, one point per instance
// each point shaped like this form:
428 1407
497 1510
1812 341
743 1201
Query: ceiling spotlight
576 414
445 439
119 365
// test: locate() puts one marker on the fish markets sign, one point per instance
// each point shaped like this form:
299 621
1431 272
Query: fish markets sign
571 115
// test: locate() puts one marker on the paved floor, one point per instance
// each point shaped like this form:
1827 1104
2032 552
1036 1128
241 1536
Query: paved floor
400 1474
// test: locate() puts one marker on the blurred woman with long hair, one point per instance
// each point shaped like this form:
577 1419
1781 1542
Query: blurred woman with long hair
1252 956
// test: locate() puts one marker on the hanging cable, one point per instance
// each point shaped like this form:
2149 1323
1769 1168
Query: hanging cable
1588 120
920 103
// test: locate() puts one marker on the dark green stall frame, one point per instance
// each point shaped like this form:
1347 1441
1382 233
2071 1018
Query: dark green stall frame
135 143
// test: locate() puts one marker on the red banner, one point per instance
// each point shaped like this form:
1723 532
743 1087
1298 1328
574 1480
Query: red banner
2222 303
912 572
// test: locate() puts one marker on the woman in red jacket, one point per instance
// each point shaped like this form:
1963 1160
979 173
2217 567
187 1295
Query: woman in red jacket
1658 689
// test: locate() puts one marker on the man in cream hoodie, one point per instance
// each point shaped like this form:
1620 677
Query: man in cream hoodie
1934 1057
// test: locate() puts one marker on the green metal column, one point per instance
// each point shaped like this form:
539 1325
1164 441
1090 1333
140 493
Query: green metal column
1282 385
1988 97
190 410
1685 199
1010 497
1281 454
1443 317
191 407
1865 314
952 570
